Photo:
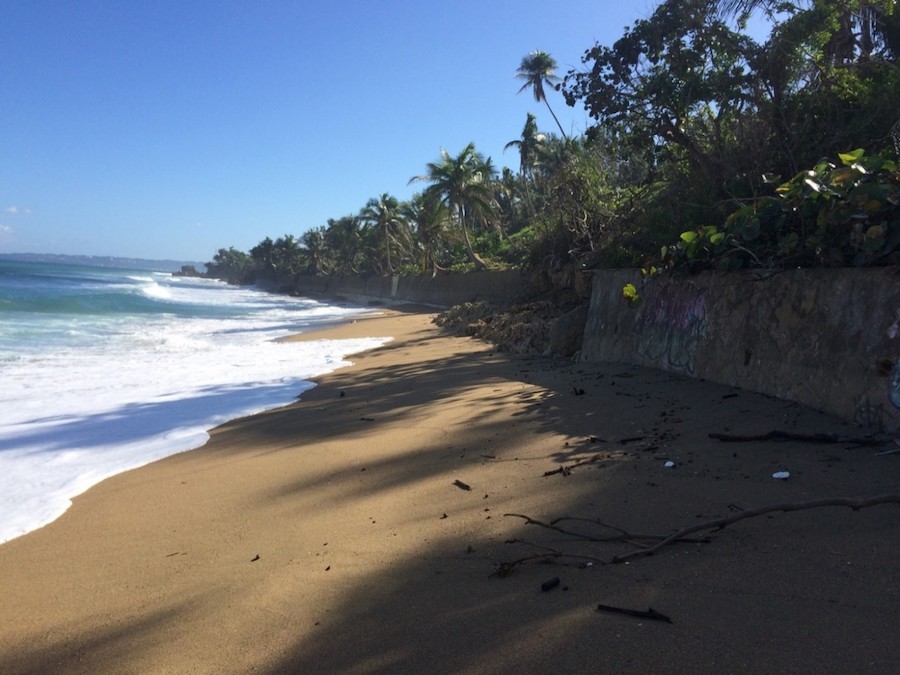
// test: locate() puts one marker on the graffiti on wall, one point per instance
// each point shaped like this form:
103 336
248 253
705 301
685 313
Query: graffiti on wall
671 327
894 385
894 331
879 416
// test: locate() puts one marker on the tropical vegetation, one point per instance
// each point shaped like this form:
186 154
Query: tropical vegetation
708 149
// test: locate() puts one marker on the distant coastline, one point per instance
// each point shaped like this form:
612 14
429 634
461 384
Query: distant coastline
104 261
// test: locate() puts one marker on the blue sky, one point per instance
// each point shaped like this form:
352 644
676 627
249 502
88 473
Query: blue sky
169 129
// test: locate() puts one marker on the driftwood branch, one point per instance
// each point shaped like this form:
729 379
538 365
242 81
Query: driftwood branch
635 538
721 523
567 469
642 540
791 436
891 452
548 555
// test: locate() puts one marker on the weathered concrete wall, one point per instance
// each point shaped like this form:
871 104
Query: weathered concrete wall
829 339
442 291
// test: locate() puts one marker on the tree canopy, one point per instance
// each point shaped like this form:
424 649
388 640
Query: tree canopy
707 147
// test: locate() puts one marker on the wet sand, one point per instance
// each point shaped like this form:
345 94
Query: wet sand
336 535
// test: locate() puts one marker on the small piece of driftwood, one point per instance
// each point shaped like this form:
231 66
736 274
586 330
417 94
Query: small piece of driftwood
648 613
550 584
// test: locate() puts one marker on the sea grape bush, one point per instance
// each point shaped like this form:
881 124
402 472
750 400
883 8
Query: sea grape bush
828 216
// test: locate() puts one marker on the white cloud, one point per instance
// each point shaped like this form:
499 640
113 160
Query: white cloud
17 211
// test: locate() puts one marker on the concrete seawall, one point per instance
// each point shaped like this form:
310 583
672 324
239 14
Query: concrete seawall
826 338
829 339
441 291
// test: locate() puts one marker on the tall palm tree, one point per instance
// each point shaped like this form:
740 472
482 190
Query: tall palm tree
344 241
463 184
538 69
512 196
431 219
316 250
529 146
287 254
263 255
384 215
485 212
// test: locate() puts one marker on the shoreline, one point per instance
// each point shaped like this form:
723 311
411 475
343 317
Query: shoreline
184 430
330 536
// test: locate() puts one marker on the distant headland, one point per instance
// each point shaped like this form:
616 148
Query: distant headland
105 261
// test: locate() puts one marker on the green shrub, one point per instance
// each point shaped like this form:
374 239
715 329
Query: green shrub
831 215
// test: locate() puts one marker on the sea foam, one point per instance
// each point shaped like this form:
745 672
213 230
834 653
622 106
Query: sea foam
138 370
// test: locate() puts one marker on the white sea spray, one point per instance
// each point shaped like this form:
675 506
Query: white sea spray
130 368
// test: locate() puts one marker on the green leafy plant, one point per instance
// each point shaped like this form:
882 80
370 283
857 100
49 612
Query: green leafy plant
630 293
830 215
847 214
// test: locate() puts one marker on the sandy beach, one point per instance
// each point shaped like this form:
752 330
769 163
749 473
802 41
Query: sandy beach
361 529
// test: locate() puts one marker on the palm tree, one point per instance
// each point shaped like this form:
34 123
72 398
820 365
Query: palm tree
263 257
287 254
431 219
538 69
529 146
383 214
316 251
344 241
512 196
463 184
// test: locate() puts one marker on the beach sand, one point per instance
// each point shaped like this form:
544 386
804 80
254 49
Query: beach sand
330 536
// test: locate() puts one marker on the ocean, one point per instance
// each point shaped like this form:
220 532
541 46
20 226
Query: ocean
104 370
